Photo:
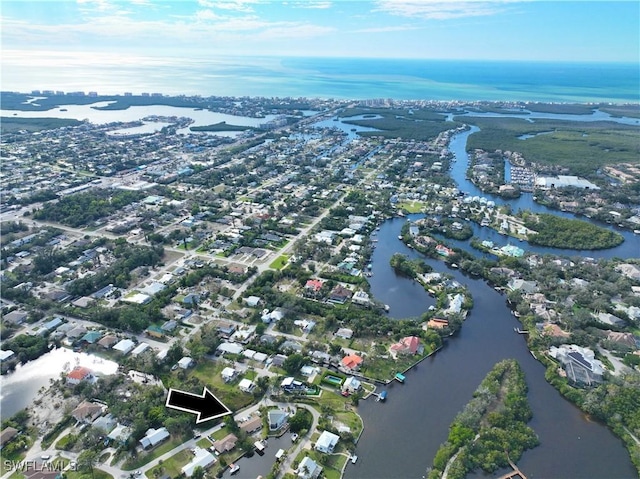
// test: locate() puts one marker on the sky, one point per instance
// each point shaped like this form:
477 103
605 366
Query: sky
139 31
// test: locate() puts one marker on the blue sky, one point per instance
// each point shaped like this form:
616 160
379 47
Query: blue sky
141 30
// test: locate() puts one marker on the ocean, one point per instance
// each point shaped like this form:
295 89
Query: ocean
344 78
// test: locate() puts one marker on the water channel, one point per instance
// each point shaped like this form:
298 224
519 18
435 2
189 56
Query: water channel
402 435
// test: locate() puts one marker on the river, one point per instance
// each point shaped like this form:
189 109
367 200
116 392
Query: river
402 435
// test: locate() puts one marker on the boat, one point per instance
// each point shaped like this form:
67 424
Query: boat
294 437
233 468
382 396
387 308
399 377
400 237
259 447
354 458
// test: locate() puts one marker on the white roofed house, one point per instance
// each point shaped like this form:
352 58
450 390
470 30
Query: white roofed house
309 469
202 458
351 384
228 374
246 385
154 437
579 364
277 419
327 442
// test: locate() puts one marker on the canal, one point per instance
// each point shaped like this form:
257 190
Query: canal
402 435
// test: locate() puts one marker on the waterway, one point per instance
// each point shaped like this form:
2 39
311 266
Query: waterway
402 435
89 112
20 387
629 248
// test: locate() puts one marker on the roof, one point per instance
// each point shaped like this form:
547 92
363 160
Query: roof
252 425
226 443
86 408
351 361
7 434
79 373
124 346
154 436
108 341
327 440
202 458
92 336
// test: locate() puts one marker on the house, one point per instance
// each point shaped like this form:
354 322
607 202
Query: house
186 363
326 442
290 384
437 323
344 333
15 317
169 326
252 425
53 324
277 418
252 301
406 346
105 424
351 385
246 385
230 348
340 294
623 339
120 434
444 251
153 437
79 374
351 362
225 329
108 341
578 363
528 287
87 411
91 337
291 346
124 346
308 469
225 444
202 458
228 374
609 319
140 348
278 360
154 331
313 287
6 435
361 298
77 332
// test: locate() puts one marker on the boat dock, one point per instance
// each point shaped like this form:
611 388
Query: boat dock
521 331
381 397
399 377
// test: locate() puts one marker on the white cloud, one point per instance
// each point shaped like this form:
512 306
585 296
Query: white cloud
395 28
314 5
235 5
441 9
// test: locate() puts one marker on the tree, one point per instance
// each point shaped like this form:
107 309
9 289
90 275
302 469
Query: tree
87 460
198 473
301 420
293 363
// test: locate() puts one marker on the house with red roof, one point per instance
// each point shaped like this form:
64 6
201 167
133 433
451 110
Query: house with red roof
79 374
406 346
313 287
352 362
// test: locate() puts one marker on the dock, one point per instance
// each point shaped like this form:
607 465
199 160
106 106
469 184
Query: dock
521 331
515 474
399 377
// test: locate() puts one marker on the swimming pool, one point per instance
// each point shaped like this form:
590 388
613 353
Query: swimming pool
336 381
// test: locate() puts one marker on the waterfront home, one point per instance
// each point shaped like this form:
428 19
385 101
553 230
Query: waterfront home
340 294
277 418
437 323
327 442
406 346
153 437
290 384
225 444
79 374
252 425
351 385
87 411
444 251
352 362
202 458
308 468
579 364
528 287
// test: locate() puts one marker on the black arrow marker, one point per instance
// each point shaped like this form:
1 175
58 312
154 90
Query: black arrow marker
206 406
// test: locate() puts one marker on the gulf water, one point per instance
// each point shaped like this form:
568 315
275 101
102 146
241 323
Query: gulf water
344 78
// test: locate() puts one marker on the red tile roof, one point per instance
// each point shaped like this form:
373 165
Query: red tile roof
79 373
352 361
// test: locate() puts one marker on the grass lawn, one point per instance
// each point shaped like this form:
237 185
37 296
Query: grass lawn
97 474
331 470
411 206
279 262
143 459
173 465
204 443
209 372
386 369
249 374
220 434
